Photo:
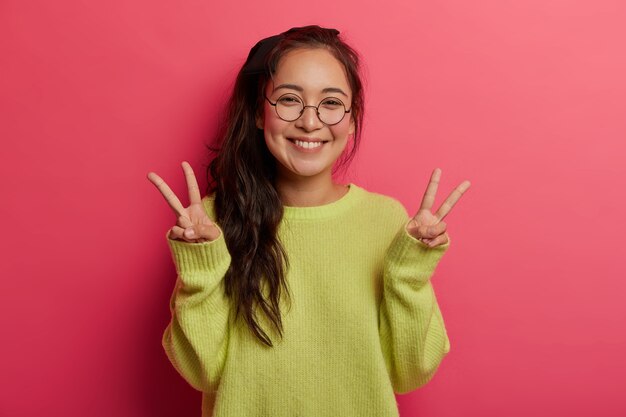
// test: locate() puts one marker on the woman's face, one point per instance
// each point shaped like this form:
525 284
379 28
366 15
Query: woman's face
313 75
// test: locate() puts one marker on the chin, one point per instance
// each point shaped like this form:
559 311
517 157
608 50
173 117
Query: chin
307 172
304 170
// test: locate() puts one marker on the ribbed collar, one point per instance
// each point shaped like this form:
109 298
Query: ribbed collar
354 194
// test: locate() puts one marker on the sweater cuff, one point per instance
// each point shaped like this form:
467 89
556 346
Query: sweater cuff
198 257
411 259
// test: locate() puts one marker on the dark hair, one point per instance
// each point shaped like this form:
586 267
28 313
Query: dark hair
243 173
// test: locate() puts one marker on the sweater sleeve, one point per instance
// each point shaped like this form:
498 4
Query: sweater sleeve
412 332
196 339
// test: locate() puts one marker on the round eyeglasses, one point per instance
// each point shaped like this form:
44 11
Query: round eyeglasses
289 107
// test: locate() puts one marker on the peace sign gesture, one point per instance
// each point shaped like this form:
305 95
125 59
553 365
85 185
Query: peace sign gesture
428 227
192 225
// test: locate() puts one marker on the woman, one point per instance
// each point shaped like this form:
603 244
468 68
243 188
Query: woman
296 295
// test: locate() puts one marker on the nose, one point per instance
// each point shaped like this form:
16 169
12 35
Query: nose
309 120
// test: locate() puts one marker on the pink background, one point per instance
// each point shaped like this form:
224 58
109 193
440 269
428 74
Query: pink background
524 99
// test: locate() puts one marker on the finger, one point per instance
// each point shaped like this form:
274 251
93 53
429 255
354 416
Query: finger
184 222
208 231
432 231
425 231
190 233
439 228
167 192
431 190
202 231
452 199
439 240
176 233
192 184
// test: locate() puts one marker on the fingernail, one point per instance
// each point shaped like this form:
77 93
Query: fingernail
189 233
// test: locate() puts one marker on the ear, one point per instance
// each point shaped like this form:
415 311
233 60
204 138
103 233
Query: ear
352 126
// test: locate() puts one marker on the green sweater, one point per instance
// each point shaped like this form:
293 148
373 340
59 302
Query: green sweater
364 320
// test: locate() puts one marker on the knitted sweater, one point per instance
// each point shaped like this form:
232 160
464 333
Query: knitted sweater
364 320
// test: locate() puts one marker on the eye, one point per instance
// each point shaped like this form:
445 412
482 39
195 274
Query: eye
289 100
332 103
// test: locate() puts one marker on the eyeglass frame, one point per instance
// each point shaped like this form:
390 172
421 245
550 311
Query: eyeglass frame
317 108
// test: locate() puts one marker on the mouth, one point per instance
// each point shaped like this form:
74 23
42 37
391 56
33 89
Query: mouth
307 143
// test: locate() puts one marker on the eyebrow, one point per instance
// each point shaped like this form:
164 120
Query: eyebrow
300 89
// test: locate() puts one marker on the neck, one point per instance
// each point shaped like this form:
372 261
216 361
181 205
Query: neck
309 191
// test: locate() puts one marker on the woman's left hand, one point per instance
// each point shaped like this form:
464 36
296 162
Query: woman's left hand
428 227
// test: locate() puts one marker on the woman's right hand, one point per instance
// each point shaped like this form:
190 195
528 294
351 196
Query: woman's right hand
192 223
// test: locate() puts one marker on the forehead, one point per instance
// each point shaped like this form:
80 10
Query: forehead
312 69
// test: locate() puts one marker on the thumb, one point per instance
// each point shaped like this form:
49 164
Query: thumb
202 231
422 231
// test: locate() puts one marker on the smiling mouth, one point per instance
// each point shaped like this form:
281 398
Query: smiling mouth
307 144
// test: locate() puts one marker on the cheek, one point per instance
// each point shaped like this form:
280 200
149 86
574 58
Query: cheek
271 128
273 125
345 128
273 134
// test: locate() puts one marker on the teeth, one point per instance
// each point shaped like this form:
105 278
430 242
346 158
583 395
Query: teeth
308 145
